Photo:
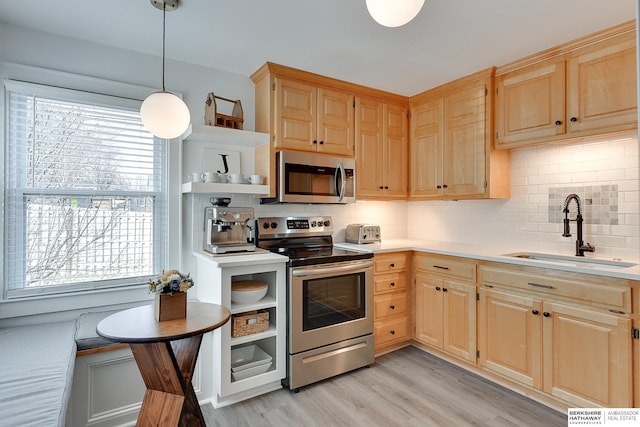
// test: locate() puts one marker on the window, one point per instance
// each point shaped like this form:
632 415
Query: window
85 191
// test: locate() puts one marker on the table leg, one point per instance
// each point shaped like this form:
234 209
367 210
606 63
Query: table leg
167 369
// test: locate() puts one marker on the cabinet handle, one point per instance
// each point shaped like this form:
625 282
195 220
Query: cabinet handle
438 186
392 284
392 332
546 314
535 312
386 187
381 187
487 286
391 265
445 186
437 288
574 119
315 142
392 307
440 267
558 122
444 289
321 142
538 285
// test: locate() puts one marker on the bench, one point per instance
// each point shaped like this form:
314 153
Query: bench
36 373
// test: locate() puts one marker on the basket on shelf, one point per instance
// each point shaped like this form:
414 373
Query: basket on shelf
250 322
213 118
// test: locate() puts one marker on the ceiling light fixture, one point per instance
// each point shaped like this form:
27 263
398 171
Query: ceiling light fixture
164 114
394 13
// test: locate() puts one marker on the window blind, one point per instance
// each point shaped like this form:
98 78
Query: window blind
86 192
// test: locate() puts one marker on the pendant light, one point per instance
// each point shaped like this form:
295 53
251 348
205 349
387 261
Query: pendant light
394 13
164 114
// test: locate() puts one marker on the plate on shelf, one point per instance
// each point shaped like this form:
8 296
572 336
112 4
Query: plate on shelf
246 373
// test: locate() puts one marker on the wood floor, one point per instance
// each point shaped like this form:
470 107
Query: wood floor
405 388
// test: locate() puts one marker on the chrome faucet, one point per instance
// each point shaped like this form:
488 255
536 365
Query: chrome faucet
581 247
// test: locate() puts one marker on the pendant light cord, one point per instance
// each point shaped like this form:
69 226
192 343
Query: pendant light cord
164 20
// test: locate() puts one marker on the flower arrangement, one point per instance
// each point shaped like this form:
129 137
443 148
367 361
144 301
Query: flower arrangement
169 282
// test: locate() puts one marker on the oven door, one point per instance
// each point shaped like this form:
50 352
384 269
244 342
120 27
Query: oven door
329 303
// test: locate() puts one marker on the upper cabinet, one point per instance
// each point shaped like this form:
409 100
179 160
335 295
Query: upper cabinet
308 112
579 89
307 118
382 150
451 156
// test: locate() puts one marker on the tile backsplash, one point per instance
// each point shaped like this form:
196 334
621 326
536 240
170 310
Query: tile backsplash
599 203
604 174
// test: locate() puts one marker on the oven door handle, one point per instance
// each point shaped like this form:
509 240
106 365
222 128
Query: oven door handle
331 269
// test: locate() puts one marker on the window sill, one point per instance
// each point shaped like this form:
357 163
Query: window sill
86 300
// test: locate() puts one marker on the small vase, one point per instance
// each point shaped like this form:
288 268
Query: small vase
170 307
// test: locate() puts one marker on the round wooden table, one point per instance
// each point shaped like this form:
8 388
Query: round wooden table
166 354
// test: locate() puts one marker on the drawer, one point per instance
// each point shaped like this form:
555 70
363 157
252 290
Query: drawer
388 305
578 288
447 266
389 283
392 330
390 262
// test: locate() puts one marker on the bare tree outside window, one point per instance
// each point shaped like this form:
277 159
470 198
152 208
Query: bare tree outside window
86 186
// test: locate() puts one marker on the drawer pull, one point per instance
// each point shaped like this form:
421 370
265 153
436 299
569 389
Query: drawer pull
392 307
392 332
617 311
392 265
440 267
437 288
546 314
538 285
392 284
487 286
444 289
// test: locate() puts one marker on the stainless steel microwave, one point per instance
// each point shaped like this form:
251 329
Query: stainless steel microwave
314 178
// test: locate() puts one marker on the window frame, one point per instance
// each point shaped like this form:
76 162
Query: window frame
44 302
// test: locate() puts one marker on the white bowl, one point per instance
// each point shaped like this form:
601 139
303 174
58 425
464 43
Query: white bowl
248 291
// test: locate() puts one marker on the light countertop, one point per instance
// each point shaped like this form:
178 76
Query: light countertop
492 253
260 256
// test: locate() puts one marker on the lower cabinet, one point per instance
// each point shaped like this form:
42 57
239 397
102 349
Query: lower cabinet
391 300
577 354
446 316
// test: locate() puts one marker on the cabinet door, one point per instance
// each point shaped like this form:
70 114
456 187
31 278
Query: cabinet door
396 152
602 86
429 326
529 102
335 121
459 320
587 357
294 115
510 336
427 124
464 142
369 153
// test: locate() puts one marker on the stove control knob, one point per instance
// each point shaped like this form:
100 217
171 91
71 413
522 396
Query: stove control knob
274 225
265 225
327 223
313 223
236 215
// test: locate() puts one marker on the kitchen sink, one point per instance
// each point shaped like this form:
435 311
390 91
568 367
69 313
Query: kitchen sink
573 260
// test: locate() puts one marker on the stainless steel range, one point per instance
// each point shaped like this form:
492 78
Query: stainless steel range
329 299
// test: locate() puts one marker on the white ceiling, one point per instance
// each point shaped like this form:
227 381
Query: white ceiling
336 38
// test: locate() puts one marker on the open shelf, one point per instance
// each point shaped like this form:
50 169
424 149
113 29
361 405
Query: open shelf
271 332
238 137
218 188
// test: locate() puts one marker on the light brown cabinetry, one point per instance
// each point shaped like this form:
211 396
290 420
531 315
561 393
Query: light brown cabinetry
446 304
382 150
583 88
391 300
451 155
557 332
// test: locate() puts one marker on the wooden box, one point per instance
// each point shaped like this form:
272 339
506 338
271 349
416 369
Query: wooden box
249 323
170 307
